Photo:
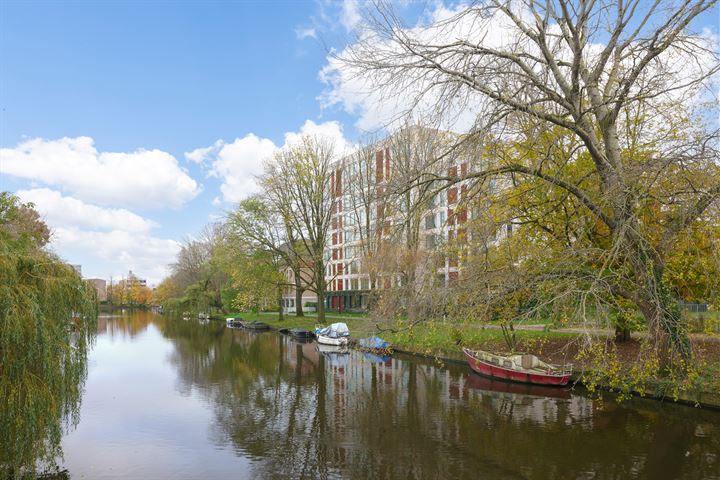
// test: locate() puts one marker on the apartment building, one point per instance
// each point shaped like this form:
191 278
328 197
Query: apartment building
363 211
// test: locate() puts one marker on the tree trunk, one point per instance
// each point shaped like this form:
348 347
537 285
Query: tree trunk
280 303
298 301
622 333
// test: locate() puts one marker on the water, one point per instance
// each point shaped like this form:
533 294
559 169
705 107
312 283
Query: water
169 398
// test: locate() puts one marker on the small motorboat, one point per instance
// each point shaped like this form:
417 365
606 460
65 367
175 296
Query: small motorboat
327 340
233 322
336 334
518 368
298 332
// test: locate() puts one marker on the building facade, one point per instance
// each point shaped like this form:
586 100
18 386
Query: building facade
366 211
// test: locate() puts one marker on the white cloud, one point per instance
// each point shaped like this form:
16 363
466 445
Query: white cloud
62 211
200 155
303 33
142 178
239 163
350 16
117 251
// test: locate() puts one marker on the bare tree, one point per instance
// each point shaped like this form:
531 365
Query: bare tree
297 181
595 71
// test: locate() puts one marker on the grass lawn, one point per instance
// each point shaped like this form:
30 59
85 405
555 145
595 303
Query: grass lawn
429 338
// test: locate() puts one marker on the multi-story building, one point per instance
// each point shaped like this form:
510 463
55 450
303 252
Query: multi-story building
134 279
309 298
364 212
100 287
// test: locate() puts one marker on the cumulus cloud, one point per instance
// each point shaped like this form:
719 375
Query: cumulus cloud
62 211
117 251
238 163
142 178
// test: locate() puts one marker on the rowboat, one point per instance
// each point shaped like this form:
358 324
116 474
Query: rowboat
522 368
327 340
255 325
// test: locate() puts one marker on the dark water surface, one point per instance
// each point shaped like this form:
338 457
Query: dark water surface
169 398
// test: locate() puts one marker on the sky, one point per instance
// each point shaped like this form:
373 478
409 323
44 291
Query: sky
131 125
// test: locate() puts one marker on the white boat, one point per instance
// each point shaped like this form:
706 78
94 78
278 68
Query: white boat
338 341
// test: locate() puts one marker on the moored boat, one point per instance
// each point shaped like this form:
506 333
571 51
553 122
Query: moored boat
298 332
233 322
255 325
335 334
328 340
523 368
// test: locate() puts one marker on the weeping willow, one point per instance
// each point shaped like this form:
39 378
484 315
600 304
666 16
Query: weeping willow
47 324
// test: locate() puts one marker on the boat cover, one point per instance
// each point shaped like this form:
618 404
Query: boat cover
373 342
336 330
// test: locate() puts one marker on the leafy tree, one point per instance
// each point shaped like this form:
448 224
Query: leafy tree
47 322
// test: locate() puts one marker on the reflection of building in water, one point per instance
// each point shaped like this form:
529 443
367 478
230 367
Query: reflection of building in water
102 324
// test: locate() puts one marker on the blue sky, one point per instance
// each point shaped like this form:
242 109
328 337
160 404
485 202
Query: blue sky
171 76
133 124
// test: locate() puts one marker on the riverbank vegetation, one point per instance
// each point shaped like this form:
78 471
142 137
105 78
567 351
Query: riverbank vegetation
584 194
47 323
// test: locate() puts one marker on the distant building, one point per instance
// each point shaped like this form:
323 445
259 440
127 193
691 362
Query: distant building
134 279
100 287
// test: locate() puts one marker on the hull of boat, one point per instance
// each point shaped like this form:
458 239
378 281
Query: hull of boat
340 341
495 371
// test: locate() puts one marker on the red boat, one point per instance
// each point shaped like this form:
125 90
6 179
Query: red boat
518 368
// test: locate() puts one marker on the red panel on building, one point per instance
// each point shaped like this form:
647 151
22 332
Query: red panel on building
452 172
339 268
452 277
338 182
334 239
339 284
451 216
387 163
452 195
379 166
462 215
463 169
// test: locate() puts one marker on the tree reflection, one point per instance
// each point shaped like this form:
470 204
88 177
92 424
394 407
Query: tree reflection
299 414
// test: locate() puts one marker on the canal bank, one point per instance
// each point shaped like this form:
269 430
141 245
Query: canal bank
442 342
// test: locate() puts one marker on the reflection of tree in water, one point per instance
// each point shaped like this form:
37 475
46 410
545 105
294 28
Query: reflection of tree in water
127 324
299 415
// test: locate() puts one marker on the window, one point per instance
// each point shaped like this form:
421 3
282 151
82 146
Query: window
354 284
442 217
429 221
430 241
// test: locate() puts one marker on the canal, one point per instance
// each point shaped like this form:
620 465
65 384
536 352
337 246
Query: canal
176 399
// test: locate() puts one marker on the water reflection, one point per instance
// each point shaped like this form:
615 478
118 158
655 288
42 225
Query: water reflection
290 410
